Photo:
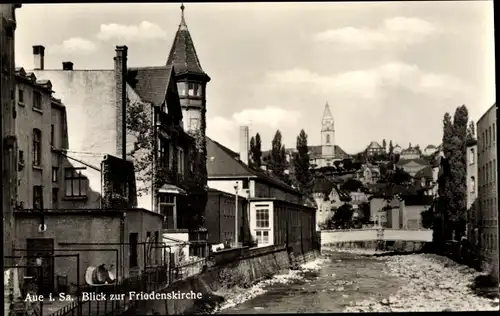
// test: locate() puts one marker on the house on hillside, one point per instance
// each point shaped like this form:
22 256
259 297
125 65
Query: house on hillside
374 149
425 178
368 174
397 150
410 153
275 211
412 166
329 196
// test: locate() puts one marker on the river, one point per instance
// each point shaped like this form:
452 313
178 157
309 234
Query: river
359 283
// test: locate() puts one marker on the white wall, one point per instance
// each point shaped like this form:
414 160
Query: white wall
228 187
333 236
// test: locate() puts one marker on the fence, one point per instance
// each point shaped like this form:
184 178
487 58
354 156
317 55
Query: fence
334 236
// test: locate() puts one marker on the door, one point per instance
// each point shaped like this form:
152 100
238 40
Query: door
41 251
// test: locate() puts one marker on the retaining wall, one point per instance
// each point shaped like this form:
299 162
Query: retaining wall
256 264
335 236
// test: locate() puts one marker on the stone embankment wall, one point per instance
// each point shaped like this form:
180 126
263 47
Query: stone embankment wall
386 239
253 266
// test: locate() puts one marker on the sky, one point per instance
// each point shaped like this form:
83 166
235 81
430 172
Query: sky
388 70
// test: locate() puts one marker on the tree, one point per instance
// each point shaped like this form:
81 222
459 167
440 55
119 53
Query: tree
252 150
343 216
278 160
352 185
257 155
391 148
458 171
427 218
400 176
471 131
384 144
301 161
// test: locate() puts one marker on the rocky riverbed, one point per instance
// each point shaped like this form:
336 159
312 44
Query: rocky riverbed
430 283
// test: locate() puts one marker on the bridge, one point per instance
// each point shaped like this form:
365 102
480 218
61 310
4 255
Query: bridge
372 237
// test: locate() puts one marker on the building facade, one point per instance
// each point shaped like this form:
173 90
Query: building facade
472 191
374 149
487 188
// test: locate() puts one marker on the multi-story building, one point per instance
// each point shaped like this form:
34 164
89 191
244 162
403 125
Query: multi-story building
410 153
7 122
472 191
374 148
487 188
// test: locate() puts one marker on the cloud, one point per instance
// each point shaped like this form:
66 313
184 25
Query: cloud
75 45
368 83
397 30
143 31
223 130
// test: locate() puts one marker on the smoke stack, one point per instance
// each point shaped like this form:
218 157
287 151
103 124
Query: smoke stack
67 65
121 99
38 57
244 143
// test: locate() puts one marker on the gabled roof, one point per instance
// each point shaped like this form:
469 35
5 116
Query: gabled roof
222 162
374 145
430 147
183 54
150 83
420 161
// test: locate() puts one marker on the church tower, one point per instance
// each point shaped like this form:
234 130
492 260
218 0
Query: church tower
327 134
191 85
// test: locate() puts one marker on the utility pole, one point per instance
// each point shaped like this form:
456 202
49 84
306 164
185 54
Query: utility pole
236 215
8 145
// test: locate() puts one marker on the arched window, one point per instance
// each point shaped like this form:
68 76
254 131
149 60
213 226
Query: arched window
471 156
37 147
328 139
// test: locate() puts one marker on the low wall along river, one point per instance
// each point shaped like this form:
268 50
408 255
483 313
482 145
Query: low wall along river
253 266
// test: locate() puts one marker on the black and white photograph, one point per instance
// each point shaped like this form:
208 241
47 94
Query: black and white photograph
248 158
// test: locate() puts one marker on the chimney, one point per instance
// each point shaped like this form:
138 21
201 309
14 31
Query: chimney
244 143
38 57
67 65
121 100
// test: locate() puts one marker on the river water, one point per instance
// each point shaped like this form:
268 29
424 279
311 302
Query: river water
343 281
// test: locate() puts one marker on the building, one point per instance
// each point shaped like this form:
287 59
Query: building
411 209
220 217
368 173
410 153
7 123
429 150
272 204
487 188
323 155
374 149
41 131
472 192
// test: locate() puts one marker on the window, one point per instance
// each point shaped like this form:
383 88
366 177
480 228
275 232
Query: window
52 135
484 141
181 88
20 96
163 153
167 206
180 161
193 89
262 237
489 136
21 160
194 123
75 182
55 197
55 170
472 184
262 218
494 132
37 101
328 139
471 156
37 197
133 240
37 147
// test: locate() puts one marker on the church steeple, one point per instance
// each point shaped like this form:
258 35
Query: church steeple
183 55
326 113
327 133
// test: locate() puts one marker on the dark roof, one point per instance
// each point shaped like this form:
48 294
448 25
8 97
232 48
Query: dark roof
183 54
150 83
430 146
374 145
323 185
223 162
426 172
417 199
421 161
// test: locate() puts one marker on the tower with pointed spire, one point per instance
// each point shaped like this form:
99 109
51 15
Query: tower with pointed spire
327 134
191 83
